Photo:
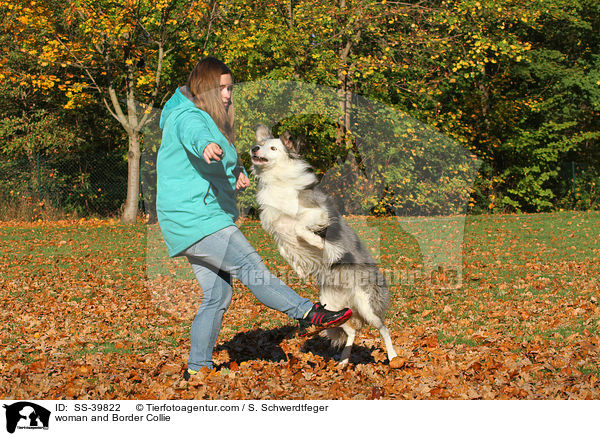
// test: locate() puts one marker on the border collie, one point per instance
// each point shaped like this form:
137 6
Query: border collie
316 241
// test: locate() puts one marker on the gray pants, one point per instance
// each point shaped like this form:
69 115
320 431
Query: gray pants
215 260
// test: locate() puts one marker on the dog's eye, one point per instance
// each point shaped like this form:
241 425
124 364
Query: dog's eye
274 148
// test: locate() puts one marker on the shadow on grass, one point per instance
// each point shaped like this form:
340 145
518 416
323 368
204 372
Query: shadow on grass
320 346
258 344
265 345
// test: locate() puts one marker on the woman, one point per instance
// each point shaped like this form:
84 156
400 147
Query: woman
198 175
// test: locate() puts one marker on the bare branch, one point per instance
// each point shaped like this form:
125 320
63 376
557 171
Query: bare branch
147 114
90 76
120 116
209 27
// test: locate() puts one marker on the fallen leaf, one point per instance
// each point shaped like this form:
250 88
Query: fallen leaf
398 362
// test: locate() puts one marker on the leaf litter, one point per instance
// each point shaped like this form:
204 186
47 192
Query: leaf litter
83 320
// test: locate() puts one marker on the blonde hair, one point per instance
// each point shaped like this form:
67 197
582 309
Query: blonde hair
204 83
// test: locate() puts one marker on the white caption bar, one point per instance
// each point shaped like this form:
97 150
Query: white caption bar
155 417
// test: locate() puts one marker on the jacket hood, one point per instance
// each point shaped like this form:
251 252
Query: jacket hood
180 101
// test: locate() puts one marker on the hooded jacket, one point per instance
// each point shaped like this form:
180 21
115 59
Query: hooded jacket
194 199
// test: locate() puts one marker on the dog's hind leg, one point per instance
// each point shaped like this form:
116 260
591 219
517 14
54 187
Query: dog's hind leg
389 346
377 321
351 333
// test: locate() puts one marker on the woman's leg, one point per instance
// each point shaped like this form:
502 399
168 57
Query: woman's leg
226 253
228 250
216 296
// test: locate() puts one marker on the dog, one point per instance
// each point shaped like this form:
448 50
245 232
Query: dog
316 241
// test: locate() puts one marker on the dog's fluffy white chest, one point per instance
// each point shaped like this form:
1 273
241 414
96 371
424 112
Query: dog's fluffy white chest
281 199
283 216
279 211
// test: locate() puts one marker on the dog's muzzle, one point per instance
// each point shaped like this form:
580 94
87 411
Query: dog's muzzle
255 158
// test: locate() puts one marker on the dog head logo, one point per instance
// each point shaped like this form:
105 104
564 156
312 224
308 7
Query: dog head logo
26 415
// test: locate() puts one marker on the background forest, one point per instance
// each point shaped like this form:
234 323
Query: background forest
517 84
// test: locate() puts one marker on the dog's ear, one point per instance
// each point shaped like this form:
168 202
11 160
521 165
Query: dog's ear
286 138
295 144
262 133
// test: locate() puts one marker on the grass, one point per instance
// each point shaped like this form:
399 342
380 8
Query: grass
526 279
521 255
457 339
103 348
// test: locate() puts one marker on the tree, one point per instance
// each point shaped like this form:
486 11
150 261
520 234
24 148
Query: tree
517 84
115 51
559 126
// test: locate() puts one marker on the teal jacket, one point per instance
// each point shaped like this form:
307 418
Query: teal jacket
194 199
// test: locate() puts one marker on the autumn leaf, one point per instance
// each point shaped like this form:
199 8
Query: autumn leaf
106 330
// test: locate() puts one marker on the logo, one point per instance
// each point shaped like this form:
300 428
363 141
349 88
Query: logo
26 415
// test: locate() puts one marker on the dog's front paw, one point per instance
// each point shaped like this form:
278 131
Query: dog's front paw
318 242
310 237
343 364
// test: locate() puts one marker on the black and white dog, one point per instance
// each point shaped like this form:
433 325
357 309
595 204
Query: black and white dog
316 241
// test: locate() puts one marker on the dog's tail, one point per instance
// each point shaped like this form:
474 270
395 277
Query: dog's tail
336 335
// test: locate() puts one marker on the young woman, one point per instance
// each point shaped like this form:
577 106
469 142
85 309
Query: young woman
198 175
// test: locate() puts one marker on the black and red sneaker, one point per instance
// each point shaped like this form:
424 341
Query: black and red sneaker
319 319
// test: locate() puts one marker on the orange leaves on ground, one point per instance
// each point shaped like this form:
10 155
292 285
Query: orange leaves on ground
84 319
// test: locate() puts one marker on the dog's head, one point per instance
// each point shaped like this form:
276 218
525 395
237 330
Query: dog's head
270 151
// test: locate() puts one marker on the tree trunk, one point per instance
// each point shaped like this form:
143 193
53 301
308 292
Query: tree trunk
130 210
345 92
345 118
484 90
344 98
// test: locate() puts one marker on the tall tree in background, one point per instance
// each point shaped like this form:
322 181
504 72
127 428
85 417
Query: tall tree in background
518 84
559 126
114 51
351 46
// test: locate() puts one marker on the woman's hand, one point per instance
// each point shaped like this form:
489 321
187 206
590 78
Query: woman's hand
242 181
212 151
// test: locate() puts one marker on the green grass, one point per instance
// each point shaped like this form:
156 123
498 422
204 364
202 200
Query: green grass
76 249
102 348
457 339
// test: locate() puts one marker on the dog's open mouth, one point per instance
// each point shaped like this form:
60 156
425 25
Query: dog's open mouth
259 160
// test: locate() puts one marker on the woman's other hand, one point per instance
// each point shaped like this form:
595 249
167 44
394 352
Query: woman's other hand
212 152
242 182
